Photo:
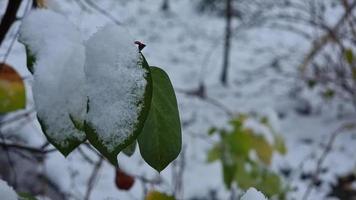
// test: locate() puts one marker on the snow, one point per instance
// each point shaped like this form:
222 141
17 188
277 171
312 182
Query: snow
58 87
253 194
7 192
115 84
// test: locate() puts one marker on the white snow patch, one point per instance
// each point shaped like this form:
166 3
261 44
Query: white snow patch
58 87
7 192
253 194
115 84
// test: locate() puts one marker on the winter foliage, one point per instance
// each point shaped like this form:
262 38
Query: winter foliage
58 86
115 84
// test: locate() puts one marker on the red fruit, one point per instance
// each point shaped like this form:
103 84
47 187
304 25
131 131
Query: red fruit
123 181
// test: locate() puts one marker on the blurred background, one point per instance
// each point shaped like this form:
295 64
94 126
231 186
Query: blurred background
266 92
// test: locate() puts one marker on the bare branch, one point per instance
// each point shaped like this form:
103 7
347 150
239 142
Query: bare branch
9 18
92 178
323 156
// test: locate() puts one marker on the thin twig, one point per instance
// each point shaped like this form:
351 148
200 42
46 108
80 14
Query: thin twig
9 18
85 156
17 117
103 12
26 148
8 51
92 178
323 156
11 163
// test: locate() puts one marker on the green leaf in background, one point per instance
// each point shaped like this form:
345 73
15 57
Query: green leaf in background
12 90
279 144
270 184
160 141
64 149
93 137
30 59
349 56
25 196
130 150
353 71
263 149
229 170
214 153
328 93
233 150
245 178
155 195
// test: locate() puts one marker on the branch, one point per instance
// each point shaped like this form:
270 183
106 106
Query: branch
93 177
17 117
25 148
103 12
323 156
9 18
322 41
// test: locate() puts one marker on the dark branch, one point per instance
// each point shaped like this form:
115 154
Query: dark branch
9 18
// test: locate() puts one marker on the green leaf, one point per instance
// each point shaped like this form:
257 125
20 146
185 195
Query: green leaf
12 90
239 143
229 171
130 150
155 195
328 94
349 56
263 149
212 130
311 83
160 141
25 196
72 143
280 145
244 178
30 59
353 71
214 153
270 184
93 137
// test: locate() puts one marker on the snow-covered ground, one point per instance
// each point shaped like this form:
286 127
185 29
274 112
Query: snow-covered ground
189 47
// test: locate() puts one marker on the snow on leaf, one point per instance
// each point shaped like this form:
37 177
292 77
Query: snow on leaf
118 89
58 87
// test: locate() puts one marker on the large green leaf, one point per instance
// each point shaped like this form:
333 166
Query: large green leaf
93 137
160 141
12 90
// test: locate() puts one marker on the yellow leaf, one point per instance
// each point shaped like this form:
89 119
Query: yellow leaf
41 3
12 90
263 149
155 195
